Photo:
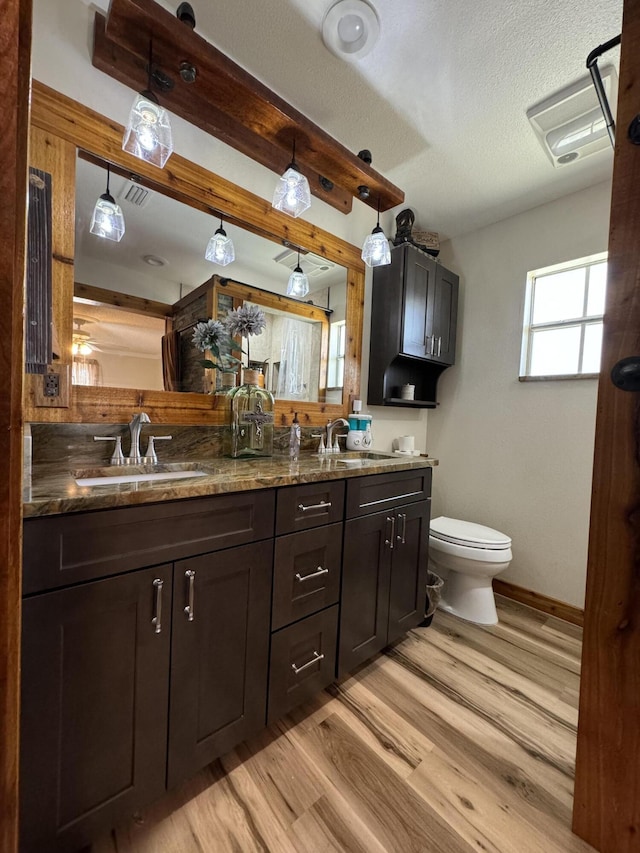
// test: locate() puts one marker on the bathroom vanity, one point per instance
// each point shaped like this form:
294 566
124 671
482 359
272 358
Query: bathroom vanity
157 636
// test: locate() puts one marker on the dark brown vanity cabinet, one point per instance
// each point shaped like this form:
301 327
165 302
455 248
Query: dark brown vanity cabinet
135 681
384 568
219 655
95 682
306 592
413 327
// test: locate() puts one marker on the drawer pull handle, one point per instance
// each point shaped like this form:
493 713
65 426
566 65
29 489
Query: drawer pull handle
190 575
321 505
316 657
316 574
157 614
402 536
389 541
439 345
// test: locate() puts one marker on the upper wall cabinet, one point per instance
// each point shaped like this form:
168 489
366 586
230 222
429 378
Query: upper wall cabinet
413 327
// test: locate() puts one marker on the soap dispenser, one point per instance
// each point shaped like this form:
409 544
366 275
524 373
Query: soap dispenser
294 438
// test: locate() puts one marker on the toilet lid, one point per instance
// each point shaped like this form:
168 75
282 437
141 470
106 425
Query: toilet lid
467 533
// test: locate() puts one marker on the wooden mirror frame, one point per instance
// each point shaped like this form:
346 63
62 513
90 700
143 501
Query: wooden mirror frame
59 126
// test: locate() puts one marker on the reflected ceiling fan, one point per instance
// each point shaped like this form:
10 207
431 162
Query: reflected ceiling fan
82 342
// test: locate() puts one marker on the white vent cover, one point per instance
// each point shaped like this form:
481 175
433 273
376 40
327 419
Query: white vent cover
313 265
570 124
135 194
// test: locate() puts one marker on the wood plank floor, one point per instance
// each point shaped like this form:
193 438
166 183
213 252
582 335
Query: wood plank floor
457 739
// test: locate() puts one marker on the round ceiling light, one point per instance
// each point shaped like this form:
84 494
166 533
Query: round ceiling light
154 260
350 29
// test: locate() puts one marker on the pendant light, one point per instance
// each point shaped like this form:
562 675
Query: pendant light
107 220
375 249
148 132
292 194
298 284
220 249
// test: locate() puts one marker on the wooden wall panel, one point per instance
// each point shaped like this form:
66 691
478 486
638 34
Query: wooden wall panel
607 788
15 53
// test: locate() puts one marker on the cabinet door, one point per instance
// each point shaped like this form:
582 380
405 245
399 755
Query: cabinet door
409 569
445 311
366 565
419 275
219 654
95 672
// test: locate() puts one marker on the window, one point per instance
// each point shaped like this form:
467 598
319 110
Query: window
563 320
337 347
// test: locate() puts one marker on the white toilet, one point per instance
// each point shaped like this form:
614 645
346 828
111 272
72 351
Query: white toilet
469 556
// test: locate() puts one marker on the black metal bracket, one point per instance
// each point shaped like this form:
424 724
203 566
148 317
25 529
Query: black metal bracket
592 65
625 375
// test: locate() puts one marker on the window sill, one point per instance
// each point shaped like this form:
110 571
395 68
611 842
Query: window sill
553 377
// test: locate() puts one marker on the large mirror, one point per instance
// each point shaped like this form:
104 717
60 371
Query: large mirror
115 303
129 294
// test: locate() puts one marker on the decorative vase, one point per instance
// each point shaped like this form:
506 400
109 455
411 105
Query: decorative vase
251 428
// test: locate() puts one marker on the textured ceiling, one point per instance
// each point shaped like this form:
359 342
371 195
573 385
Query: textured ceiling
441 100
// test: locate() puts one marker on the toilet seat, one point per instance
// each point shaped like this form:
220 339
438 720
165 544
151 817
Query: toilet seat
454 531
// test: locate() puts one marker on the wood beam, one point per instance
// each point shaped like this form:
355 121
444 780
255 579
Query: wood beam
15 55
607 787
227 102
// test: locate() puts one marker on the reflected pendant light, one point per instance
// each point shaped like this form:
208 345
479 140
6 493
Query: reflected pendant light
298 284
375 249
292 194
220 248
148 132
107 220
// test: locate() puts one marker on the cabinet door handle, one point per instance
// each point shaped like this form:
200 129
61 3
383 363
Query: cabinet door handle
389 541
433 344
321 505
316 574
427 341
156 621
439 345
316 657
190 575
402 536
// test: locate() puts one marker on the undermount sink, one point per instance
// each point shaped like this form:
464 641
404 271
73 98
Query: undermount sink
361 457
115 475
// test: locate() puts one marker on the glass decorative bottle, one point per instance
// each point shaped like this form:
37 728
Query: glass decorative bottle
251 428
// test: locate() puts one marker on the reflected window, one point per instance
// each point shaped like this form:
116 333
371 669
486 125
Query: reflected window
337 349
562 335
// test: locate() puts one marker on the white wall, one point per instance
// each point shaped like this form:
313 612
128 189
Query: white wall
514 455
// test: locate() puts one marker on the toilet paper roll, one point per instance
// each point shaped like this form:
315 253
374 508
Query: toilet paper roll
406 443
407 392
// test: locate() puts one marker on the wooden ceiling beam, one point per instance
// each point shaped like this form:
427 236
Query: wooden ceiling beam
230 104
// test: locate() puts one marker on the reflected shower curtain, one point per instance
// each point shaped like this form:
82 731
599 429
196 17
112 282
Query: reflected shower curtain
293 376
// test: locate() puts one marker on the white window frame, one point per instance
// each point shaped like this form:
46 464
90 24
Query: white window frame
583 321
337 351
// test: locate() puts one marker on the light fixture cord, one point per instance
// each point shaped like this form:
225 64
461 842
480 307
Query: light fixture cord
150 63
378 222
108 176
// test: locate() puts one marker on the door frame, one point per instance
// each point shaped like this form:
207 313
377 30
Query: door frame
607 799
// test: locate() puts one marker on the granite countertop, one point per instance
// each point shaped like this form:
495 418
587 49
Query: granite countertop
54 489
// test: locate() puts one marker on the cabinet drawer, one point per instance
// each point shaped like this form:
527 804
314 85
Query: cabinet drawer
306 573
381 491
303 661
61 550
311 505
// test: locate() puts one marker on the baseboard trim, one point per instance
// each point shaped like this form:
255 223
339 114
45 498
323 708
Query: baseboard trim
540 602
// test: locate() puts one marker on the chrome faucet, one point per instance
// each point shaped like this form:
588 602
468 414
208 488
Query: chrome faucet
329 441
135 426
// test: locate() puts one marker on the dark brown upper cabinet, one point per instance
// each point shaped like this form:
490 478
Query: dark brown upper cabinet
413 327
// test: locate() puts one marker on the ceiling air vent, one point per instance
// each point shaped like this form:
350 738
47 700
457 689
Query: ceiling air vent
570 124
313 265
135 194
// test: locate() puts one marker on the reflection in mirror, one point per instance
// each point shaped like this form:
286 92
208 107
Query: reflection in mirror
127 294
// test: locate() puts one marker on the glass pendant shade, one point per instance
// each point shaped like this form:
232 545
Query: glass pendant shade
292 194
298 284
80 347
376 251
148 132
107 220
220 249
